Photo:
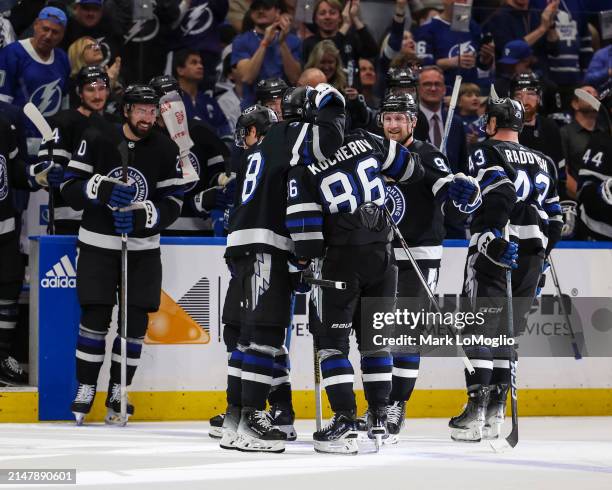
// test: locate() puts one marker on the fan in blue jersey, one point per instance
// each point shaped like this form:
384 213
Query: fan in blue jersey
457 53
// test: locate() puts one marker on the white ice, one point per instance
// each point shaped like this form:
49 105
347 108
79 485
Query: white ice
553 453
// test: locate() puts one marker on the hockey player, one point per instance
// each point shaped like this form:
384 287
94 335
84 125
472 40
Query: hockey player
93 85
269 93
595 182
518 192
258 250
147 204
208 157
12 175
335 210
419 210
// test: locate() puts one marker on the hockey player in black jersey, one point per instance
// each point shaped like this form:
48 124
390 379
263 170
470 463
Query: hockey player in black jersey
259 248
12 176
92 85
419 209
595 182
269 93
335 210
148 203
209 154
518 193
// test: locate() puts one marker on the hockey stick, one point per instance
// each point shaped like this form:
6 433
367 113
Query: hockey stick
512 439
555 279
419 273
451 112
325 283
595 103
41 124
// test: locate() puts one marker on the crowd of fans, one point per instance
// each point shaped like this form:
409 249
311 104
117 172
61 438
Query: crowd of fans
219 50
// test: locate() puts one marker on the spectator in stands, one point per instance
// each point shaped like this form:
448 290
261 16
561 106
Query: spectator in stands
311 77
517 58
423 15
236 13
7 34
398 42
457 53
431 91
86 51
345 29
367 82
198 27
539 132
468 110
326 57
267 51
515 20
189 72
89 20
600 68
228 90
575 137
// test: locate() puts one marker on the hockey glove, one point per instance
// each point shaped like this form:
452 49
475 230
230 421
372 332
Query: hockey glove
299 270
465 193
325 93
605 190
142 215
542 281
46 173
109 191
568 208
497 250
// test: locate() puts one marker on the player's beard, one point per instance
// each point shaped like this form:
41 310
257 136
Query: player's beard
141 133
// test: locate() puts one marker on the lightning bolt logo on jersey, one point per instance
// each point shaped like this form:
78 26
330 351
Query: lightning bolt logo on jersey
260 280
48 98
142 31
197 20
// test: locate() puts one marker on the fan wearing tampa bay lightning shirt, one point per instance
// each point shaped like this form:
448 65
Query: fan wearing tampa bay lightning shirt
35 70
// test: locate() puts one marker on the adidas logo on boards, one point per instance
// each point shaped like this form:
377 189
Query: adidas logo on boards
61 275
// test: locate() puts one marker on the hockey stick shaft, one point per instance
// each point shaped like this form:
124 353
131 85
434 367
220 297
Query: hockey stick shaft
51 224
419 273
451 112
325 283
512 438
317 385
555 278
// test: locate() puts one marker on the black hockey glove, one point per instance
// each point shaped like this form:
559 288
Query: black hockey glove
299 270
137 217
109 191
497 250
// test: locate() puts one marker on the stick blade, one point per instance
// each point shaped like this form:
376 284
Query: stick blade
34 115
588 98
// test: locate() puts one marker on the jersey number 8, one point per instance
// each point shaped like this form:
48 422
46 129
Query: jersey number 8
251 178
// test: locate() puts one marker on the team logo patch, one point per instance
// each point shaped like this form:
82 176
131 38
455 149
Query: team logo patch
142 30
197 20
48 98
396 203
196 165
134 177
3 178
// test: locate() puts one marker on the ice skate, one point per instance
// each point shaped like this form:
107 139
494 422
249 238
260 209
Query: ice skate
339 436
377 425
496 411
256 433
396 415
113 404
467 427
83 401
216 426
229 430
11 373
283 418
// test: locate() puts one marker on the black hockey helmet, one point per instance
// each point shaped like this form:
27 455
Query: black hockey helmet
403 103
269 89
526 81
139 94
401 78
296 104
508 113
90 74
164 84
256 115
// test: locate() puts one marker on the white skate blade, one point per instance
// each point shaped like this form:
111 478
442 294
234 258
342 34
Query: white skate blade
228 439
79 418
215 432
247 443
114 418
346 445
392 439
492 430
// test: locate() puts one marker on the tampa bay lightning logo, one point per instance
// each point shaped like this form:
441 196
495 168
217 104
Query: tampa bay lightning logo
142 31
106 51
48 98
396 203
134 177
196 165
463 48
197 20
3 178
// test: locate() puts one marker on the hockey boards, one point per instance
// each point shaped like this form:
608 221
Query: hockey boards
172 110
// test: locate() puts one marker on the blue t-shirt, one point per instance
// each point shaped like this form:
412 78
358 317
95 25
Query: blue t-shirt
244 47
207 109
